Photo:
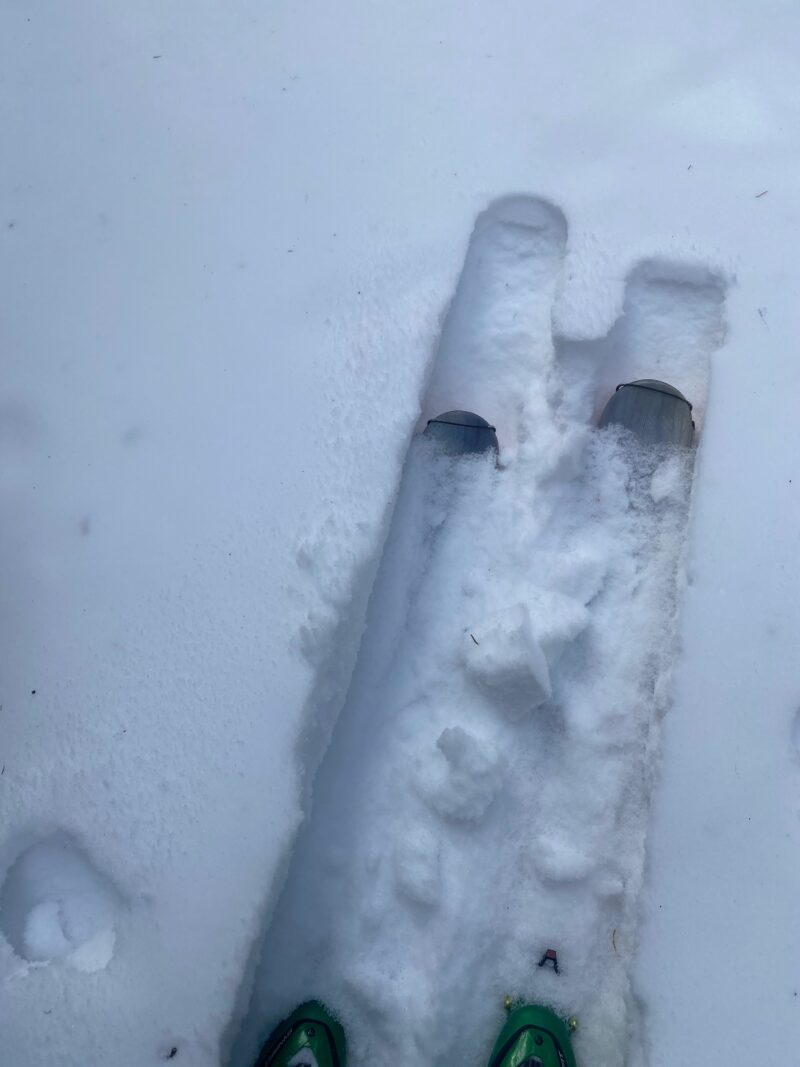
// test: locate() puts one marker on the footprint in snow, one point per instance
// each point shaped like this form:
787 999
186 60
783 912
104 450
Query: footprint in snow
55 904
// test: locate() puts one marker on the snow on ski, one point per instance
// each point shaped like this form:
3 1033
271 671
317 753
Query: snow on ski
483 800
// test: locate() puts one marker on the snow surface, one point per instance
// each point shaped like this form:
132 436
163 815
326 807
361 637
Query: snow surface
230 235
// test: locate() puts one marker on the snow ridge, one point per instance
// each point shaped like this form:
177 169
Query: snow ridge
484 795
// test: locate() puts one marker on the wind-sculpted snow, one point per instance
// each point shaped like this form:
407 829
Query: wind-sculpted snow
485 793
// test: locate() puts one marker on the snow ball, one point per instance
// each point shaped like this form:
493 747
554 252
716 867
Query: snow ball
417 867
55 904
505 658
461 776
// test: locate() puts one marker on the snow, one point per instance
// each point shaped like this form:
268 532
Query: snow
530 820
460 778
508 660
512 655
53 904
231 235
305 1058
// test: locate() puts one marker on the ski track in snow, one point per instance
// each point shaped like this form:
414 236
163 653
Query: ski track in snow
484 795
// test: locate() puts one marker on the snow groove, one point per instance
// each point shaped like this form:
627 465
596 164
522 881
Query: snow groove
484 795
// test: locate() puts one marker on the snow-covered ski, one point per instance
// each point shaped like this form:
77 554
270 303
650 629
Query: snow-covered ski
483 799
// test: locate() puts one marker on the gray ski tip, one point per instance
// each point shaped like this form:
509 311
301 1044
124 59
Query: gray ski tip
658 413
462 433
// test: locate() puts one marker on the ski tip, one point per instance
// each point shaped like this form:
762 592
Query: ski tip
309 1035
462 433
533 1034
657 412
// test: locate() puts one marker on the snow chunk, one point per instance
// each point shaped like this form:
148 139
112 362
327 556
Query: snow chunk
460 777
505 657
55 904
512 653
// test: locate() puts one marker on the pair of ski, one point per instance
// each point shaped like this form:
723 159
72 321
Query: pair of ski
533 1035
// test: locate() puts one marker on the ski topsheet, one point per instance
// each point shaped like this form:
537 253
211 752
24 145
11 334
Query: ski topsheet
484 796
